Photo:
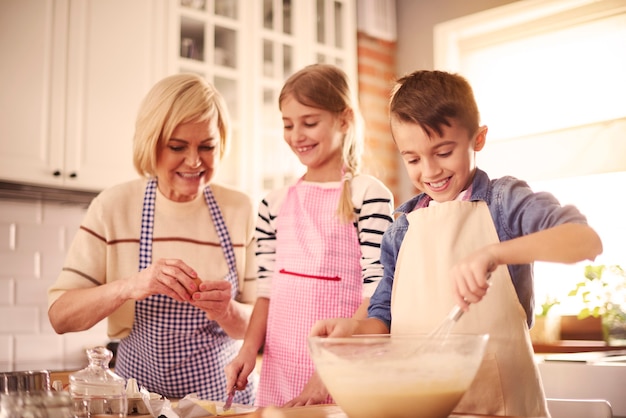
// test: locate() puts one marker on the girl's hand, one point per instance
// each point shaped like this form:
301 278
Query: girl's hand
238 370
214 298
470 278
170 277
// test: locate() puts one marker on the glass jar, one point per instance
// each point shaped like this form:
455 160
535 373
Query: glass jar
24 381
41 404
96 391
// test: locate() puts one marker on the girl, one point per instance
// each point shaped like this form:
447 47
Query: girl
318 240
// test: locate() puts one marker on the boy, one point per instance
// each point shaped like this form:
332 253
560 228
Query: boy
462 229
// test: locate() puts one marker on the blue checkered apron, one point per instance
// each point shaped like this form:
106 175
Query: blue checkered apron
173 349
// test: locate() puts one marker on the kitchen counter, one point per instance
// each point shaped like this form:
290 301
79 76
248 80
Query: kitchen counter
575 346
586 375
322 411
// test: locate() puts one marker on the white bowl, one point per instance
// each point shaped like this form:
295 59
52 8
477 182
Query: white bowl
398 376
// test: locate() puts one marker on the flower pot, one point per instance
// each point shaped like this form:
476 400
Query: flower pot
614 332
589 328
546 330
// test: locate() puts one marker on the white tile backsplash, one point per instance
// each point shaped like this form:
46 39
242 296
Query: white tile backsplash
75 344
51 265
46 239
16 264
7 292
19 319
7 241
20 212
6 351
34 237
37 349
30 292
45 327
63 214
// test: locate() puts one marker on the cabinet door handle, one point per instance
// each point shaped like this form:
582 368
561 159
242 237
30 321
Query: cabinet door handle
72 175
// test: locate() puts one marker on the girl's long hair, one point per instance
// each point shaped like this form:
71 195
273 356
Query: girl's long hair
325 87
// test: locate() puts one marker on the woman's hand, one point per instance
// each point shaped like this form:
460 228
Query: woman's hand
314 392
170 277
214 298
80 309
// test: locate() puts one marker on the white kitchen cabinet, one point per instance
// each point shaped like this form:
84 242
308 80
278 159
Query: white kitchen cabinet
248 49
209 37
73 75
576 378
288 36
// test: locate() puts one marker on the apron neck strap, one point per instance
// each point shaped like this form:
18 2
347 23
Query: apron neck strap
147 229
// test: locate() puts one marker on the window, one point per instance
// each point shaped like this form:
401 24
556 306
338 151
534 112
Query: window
548 79
548 76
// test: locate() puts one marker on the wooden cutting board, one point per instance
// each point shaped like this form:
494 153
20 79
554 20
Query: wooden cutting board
321 411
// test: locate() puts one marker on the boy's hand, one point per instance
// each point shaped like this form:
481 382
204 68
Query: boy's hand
314 392
336 327
470 278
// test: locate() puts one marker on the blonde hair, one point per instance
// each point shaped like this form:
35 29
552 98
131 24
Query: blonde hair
325 87
175 100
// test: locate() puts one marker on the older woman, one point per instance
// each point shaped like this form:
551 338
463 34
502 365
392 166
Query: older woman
168 258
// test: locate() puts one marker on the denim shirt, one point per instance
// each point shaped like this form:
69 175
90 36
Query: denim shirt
516 211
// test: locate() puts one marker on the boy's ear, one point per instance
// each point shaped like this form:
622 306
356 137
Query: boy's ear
481 138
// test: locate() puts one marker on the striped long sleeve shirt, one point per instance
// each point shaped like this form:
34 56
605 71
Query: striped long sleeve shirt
373 207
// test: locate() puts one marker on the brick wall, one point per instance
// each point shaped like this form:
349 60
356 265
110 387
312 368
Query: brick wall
376 72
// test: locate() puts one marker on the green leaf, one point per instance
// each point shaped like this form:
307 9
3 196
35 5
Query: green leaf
601 301
584 313
594 272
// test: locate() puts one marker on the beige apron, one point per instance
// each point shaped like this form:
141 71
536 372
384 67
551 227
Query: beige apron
508 381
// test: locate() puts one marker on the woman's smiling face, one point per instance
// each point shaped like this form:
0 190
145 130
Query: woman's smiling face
440 166
187 161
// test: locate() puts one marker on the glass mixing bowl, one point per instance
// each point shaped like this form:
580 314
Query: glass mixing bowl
398 376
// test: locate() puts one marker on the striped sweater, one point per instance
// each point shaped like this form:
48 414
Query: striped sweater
106 246
373 206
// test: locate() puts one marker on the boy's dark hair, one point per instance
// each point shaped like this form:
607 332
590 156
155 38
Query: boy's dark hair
432 99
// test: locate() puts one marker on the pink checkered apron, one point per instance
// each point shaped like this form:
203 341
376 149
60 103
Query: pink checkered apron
317 275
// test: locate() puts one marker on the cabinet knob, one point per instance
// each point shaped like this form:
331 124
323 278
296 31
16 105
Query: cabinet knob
56 173
73 175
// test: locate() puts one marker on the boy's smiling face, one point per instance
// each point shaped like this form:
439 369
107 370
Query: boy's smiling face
440 166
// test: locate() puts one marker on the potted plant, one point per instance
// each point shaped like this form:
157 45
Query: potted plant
603 294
